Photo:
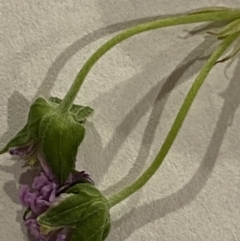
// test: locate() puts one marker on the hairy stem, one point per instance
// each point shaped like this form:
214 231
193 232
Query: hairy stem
142 180
221 15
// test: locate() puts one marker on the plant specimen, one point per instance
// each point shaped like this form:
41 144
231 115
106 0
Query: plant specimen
63 203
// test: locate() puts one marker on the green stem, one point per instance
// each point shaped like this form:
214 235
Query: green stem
141 181
184 19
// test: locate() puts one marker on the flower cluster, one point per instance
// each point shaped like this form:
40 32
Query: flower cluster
44 192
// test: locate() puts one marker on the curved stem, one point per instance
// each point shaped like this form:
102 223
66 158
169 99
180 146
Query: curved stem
141 181
184 19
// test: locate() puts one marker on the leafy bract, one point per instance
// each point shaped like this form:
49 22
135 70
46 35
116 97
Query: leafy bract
57 134
60 137
85 209
78 112
29 133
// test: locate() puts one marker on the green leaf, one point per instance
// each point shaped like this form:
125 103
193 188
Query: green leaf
84 189
55 100
22 137
30 131
60 137
70 211
92 226
39 109
79 113
85 209
107 227
231 28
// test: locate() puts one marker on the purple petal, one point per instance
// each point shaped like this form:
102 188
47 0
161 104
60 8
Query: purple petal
23 190
48 189
62 235
78 176
23 151
40 181
32 199
45 168
27 198
41 202
34 229
52 196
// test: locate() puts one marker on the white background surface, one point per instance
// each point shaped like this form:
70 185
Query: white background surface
136 90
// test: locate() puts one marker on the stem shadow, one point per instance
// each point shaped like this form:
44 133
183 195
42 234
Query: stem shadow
161 207
18 101
123 129
51 77
187 68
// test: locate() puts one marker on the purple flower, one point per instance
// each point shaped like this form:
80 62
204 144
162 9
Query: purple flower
23 151
62 235
27 152
41 195
44 192
34 228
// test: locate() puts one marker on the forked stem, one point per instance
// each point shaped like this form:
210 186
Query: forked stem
142 180
205 16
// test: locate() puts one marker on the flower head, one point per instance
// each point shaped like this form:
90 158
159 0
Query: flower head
43 193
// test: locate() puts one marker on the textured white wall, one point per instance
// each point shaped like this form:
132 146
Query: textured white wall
136 90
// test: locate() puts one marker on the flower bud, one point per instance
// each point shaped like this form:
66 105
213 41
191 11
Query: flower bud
86 211
43 193
53 132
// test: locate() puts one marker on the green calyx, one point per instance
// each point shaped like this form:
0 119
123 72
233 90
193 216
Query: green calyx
56 134
85 211
60 136
231 28
30 132
78 112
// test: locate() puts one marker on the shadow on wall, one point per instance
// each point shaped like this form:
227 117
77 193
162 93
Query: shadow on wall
159 208
153 97
53 72
17 101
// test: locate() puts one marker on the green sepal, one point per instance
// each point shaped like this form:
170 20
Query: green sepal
60 137
22 136
94 226
39 109
29 133
107 227
86 210
78 112
59 134
231 28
